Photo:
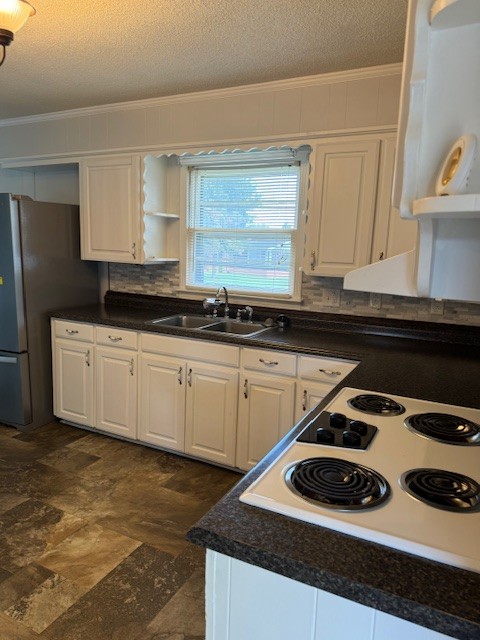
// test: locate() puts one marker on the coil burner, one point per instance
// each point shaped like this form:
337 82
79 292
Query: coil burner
444 427
394 477
376 405
338 484
443 489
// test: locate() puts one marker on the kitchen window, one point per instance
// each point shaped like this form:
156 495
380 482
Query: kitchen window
243 219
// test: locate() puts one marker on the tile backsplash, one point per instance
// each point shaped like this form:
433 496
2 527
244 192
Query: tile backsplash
164 280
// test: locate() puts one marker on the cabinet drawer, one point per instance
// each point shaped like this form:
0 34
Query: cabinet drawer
191 349
271 361
114 337
74 330
325 369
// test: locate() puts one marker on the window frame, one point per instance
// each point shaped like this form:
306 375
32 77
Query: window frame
298 235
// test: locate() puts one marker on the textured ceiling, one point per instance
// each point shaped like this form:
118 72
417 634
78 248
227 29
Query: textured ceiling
78 53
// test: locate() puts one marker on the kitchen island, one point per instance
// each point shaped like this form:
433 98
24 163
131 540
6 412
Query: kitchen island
439 364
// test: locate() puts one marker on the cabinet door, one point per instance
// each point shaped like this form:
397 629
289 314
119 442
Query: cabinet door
116 391
392 234
309 394
162 402
265 414
341 213
110 208
73 382
211 412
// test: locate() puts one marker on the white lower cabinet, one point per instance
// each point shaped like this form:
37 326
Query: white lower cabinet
116 391
188 396
265 415
73 392
162 401
189 406
244 601
318 376
309 394
211 412
218 402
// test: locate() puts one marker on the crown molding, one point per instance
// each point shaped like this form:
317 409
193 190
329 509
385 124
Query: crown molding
263 87
179 148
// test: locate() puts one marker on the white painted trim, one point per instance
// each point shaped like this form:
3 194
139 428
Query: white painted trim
275 85
43 161
178 148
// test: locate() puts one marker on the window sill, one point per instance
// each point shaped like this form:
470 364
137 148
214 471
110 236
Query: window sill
242 299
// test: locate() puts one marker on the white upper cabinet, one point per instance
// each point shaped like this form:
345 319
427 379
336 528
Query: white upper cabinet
392 234
110 208
341 206
351 221
120 221
437 173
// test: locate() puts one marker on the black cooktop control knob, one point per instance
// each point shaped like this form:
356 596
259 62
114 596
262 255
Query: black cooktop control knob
351 439
359 427
338 430
338 420
324 436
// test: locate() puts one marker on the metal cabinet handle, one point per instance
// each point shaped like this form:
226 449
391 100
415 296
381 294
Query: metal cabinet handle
115 338
268 363
87 358
304 401
380 257
245 388
313 260
134 250
131 366
71 332
180 375
329 372
189 380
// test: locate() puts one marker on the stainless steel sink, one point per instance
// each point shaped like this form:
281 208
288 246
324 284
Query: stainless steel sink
232 327
235 327
184 322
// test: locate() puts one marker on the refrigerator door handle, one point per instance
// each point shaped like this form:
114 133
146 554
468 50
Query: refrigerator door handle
8 360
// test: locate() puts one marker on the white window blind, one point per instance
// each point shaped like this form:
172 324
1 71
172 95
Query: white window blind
241 228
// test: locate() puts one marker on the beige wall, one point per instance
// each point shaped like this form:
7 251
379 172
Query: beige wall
271 111
289 108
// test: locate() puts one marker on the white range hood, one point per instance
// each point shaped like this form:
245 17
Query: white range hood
439 105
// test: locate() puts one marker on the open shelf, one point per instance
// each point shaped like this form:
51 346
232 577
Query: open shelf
160 260
161 217
446 14
443 207
161 214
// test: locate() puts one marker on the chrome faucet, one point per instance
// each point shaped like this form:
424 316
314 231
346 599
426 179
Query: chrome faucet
227 309
247 312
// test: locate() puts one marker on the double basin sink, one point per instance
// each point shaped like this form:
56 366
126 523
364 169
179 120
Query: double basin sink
218 325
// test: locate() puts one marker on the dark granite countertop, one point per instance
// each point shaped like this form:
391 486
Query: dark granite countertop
418 360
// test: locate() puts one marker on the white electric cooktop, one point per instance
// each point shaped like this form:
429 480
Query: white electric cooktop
421 463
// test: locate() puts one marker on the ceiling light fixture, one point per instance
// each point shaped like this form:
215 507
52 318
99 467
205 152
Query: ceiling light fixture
13 15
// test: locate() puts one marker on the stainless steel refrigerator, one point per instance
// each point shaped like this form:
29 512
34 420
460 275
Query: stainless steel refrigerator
40 271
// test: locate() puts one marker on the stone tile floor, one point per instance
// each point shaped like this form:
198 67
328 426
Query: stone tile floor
92 537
